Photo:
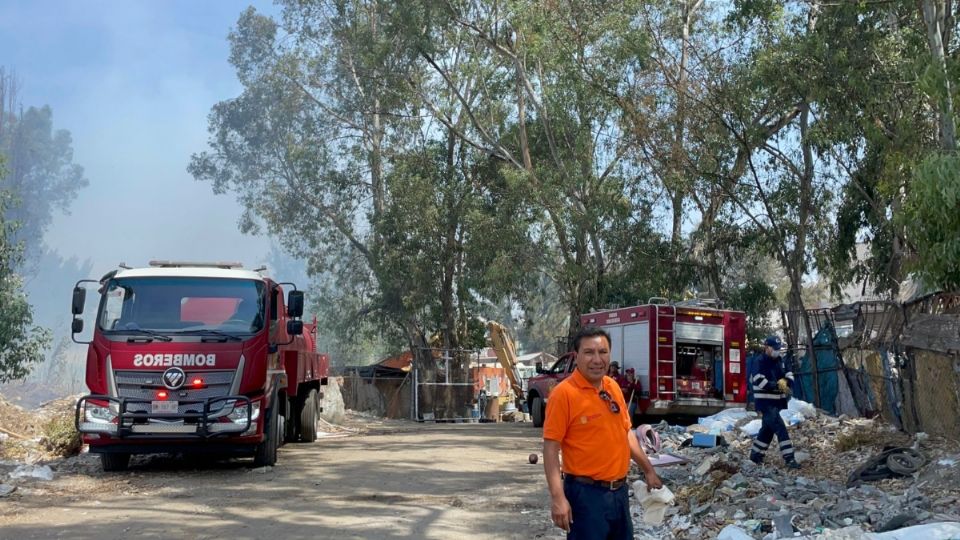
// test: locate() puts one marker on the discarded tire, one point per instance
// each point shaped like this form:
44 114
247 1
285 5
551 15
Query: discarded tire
889 463
905 462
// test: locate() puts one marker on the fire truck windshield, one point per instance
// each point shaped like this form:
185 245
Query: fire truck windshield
182 304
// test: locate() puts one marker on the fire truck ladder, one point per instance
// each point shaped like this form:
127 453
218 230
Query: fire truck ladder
666 353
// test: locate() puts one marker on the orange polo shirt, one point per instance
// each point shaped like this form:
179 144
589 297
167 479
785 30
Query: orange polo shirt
593 440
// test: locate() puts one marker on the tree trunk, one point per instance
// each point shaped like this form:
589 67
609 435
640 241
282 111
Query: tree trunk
798 266
454 398
935 16
425 367
678 192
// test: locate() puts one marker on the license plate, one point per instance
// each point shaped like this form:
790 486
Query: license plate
164 407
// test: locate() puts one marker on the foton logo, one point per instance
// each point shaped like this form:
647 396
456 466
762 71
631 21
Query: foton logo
169 360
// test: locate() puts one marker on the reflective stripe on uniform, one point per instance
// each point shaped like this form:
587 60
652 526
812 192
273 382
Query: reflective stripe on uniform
790 375
764 395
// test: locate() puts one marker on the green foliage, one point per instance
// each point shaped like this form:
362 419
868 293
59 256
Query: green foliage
60 436
882 128
21 343
437 163
932 220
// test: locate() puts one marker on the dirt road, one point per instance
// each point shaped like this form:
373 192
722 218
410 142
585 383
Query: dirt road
395 480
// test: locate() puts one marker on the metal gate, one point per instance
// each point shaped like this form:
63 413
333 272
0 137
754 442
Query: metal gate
446 393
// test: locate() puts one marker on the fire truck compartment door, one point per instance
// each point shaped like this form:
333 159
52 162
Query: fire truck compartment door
616 344
636 351
698 333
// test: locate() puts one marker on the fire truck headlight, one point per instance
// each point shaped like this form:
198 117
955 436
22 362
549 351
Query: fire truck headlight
239 413
99 415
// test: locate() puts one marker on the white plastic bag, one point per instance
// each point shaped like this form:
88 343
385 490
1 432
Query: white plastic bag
33 471
791 418
732 532
946 530
653 502
752 427
801 407
725 420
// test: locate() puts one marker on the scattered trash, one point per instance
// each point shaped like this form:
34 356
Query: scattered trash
654 502
752 428
782 524
663 460
705 465
649 439
732 532
890 462
720 493
41 472
928 531
6 489
705 440
725 420
804 409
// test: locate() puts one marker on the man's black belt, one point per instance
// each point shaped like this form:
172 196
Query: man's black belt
609 484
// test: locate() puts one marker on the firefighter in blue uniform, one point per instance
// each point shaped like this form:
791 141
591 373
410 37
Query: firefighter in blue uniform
771 390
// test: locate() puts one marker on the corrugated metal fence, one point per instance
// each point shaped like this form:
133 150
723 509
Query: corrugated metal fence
899 361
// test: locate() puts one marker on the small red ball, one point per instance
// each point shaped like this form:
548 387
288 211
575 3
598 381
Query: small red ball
533 458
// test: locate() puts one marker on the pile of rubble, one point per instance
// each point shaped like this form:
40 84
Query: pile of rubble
22 432
26 447
719 486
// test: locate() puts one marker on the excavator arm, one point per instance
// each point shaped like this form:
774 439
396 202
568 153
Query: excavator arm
507 354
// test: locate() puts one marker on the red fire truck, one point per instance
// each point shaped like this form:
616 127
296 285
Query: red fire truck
688 359
197 357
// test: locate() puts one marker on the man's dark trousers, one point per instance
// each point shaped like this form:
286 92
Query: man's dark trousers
771 425
598 512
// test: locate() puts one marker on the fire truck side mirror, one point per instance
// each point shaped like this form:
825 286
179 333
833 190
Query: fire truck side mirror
79 299
76 326
294 328
295 304
539 367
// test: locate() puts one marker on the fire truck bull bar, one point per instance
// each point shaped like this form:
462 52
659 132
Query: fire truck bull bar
115 420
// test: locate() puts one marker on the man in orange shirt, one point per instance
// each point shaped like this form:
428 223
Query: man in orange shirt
587 420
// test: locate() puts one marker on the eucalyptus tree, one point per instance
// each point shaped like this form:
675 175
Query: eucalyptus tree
931 204
329 148
21 343
307 145
535 107
40 171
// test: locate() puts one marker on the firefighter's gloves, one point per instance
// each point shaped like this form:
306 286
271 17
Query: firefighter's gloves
784 386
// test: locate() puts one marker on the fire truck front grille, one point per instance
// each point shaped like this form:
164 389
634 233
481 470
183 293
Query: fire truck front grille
145 384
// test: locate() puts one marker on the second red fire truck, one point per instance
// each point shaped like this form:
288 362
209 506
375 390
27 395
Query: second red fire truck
688 359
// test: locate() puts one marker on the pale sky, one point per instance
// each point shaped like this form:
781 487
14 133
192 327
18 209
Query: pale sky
133 81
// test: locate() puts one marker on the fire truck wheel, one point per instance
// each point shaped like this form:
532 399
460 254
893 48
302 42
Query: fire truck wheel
536 410
266 452
281 428
308 418
290 421
114 462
